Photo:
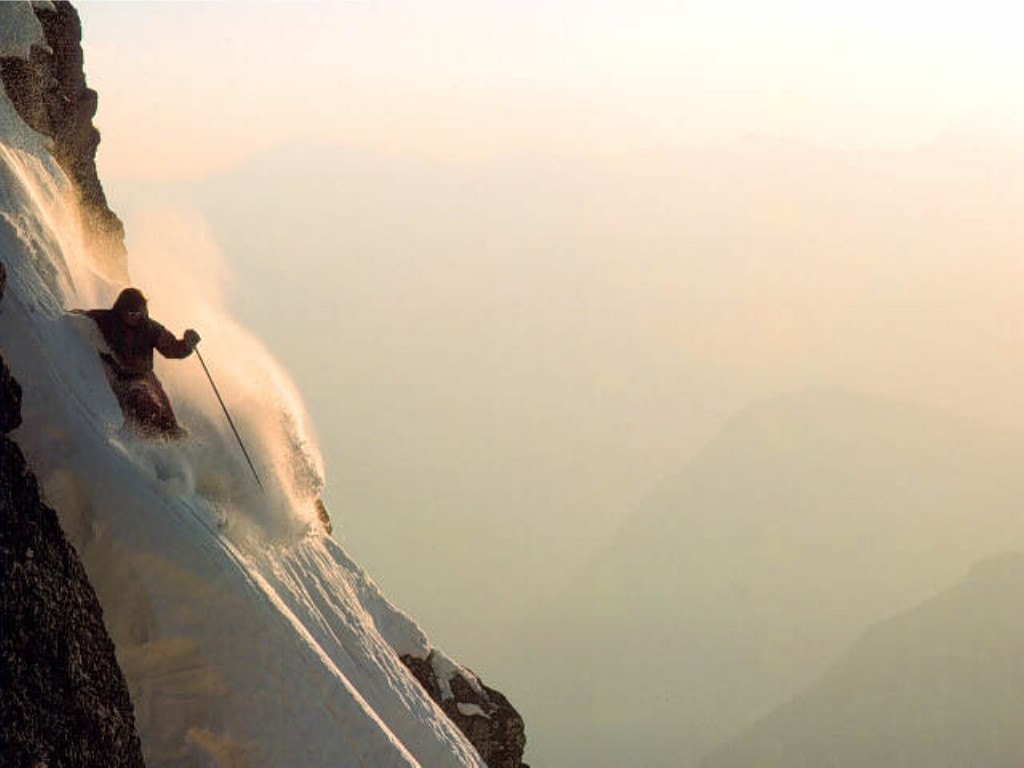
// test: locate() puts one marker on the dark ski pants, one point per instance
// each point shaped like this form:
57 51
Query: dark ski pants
147 409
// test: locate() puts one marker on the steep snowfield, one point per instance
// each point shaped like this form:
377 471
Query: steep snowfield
247 636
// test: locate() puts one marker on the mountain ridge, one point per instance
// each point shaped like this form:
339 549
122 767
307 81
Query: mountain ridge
810 517
933 686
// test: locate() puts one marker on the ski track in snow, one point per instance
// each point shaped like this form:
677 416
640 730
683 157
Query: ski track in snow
239 649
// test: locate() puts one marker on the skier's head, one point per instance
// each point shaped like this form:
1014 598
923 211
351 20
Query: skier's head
131 306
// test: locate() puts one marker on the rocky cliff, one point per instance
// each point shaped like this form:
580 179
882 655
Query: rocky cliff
483 714
50 93
63 699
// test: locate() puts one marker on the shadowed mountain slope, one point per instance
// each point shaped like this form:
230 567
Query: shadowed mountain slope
809 518
937 686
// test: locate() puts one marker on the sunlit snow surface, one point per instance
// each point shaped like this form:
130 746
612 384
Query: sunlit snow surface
247 636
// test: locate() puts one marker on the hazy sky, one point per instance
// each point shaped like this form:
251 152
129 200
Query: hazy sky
190 88
549 258
525 259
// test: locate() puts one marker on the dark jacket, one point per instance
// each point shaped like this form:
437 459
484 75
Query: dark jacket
133 346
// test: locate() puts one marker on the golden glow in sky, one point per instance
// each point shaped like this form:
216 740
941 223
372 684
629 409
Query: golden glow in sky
525 259
213 82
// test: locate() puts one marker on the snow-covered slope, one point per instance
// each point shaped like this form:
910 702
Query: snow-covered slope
246 634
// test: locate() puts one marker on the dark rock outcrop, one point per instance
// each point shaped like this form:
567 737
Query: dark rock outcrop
63 699
488 721
49 91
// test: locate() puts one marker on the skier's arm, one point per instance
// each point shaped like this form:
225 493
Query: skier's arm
168 346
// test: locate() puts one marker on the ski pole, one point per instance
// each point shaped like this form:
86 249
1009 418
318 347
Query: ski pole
230 420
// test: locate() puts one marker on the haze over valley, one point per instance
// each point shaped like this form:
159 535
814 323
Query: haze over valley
655 357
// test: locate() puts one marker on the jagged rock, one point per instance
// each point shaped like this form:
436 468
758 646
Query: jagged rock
50 93
485 716
63 699
10 400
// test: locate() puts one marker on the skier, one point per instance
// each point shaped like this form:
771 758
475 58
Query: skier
132 336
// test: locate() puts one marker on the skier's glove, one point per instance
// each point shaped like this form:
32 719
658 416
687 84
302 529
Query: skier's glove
192 338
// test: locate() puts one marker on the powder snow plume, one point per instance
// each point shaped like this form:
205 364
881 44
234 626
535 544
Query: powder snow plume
181 270
246 634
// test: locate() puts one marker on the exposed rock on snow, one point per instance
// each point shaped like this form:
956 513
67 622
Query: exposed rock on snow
63 699
321 513
483 714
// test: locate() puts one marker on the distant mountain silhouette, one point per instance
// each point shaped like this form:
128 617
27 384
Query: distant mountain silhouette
810 518
619 310
937 686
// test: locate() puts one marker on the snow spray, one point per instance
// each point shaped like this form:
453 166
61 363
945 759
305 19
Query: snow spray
176 263
52 224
